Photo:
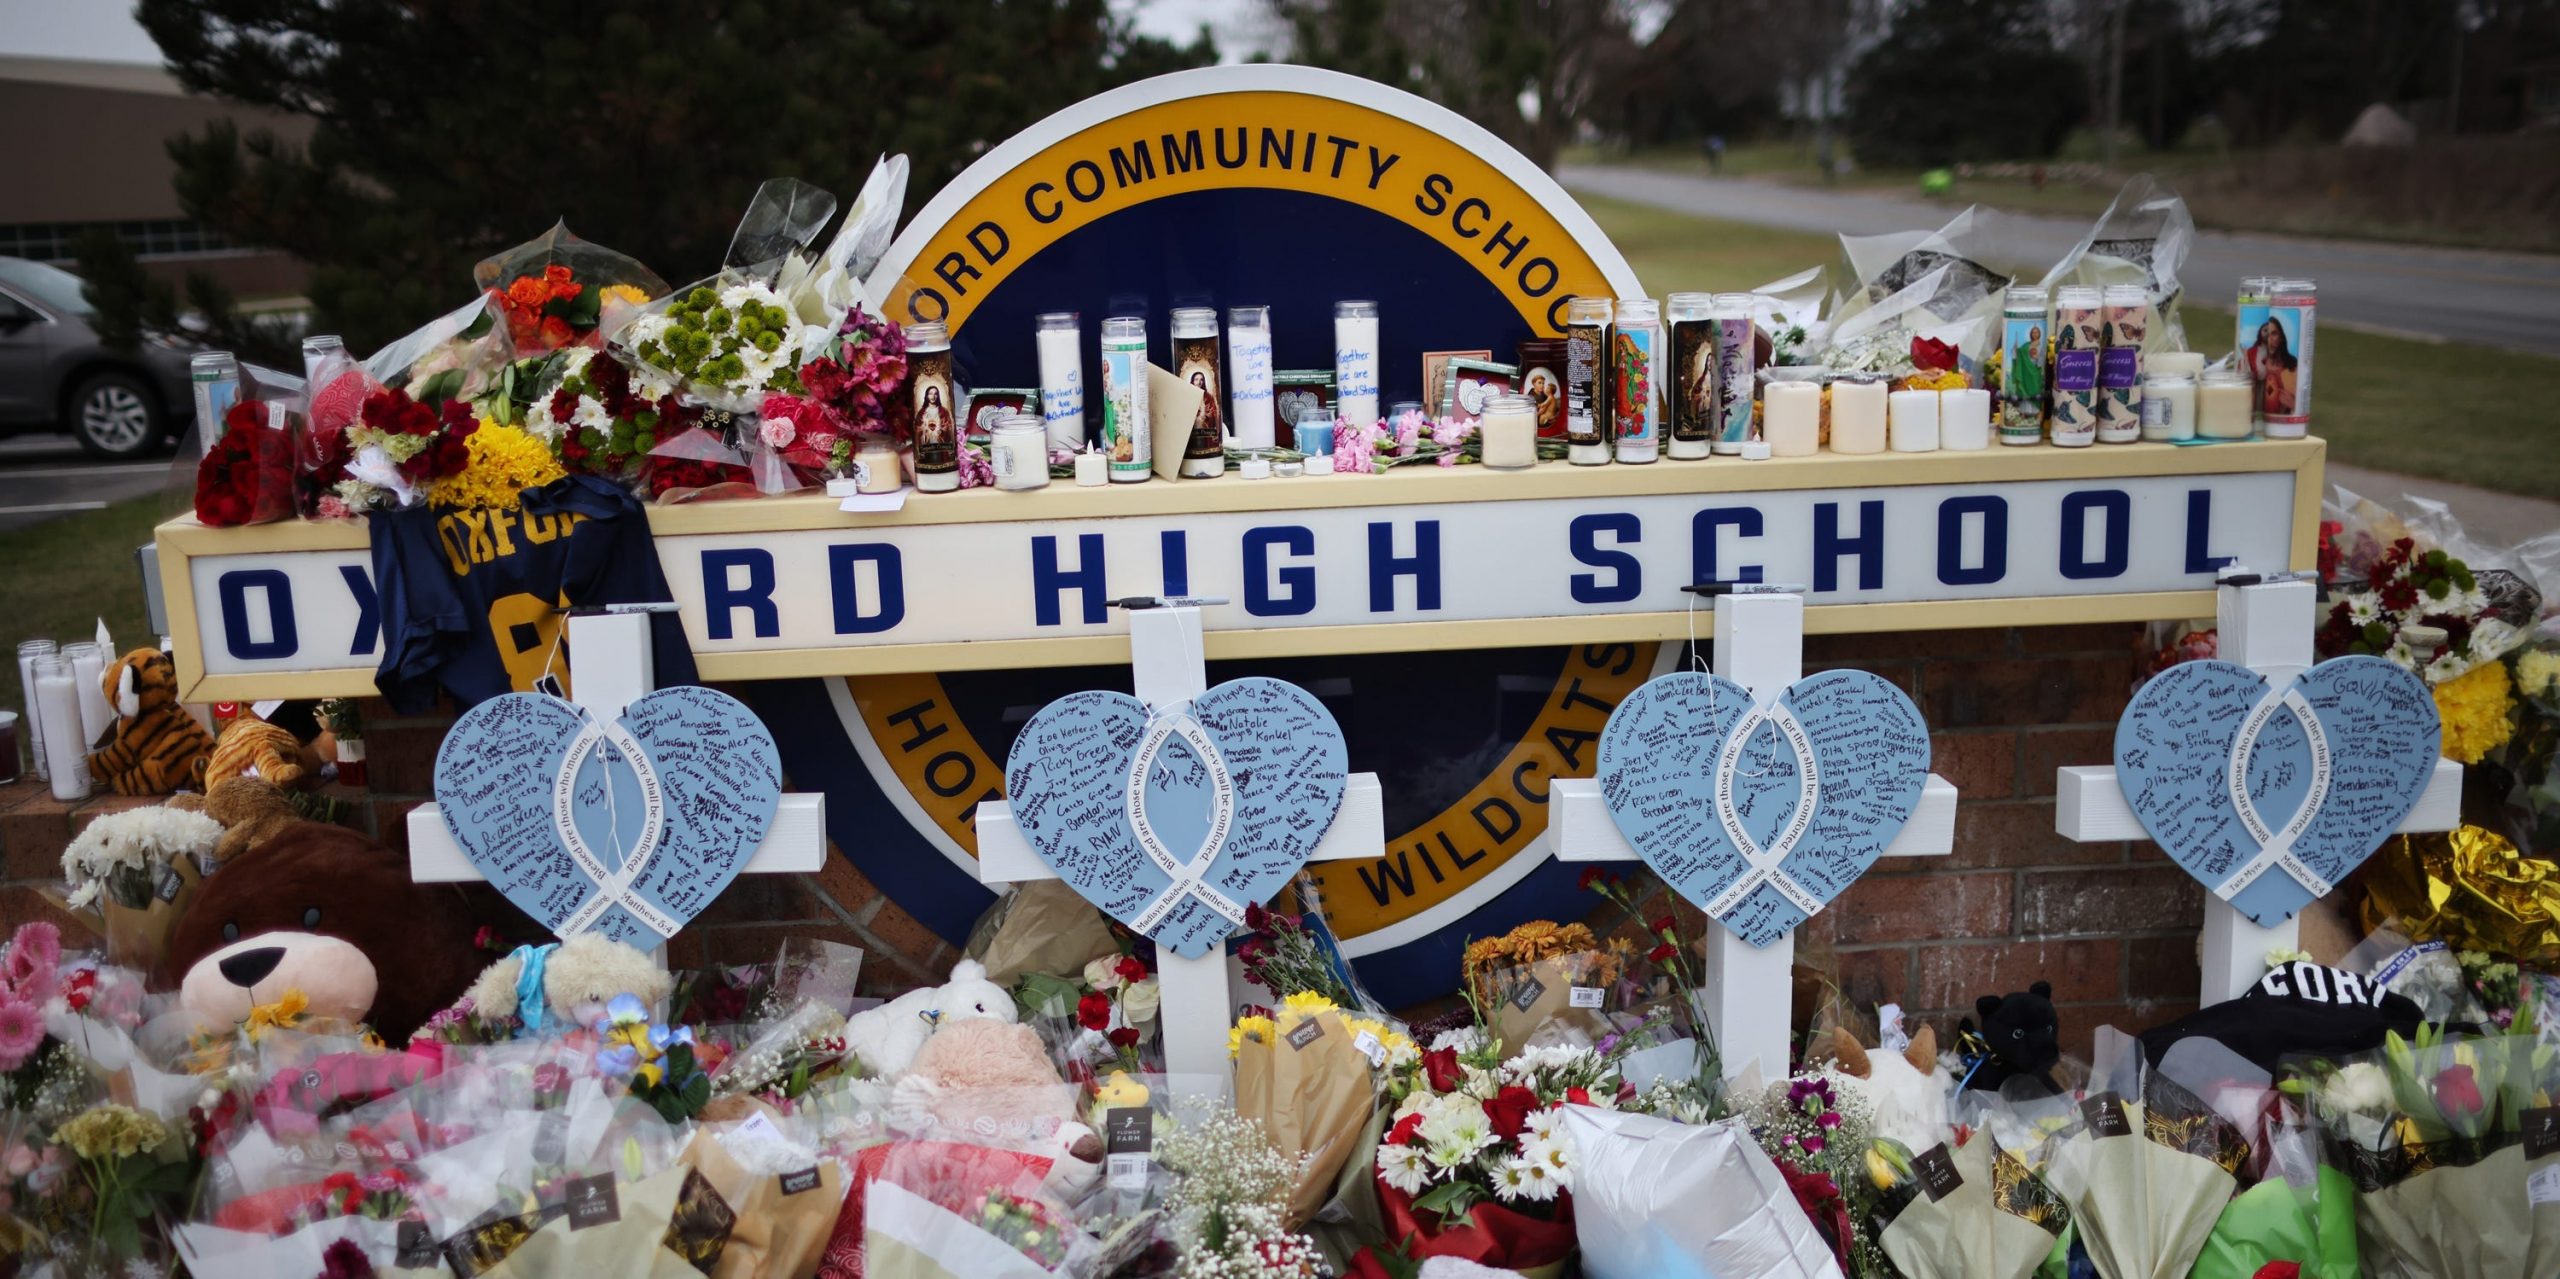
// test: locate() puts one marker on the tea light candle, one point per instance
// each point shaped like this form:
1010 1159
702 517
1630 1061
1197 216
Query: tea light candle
1316 464
1093 470
1791 418
1915 421
1509 432
1964 419
57 700
1254 468
875 466
1857 416
1755 450
1061 344
2222 405
1355 361
88 665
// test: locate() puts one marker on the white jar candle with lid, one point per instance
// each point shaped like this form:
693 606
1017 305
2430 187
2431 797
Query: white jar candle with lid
2222 405
1509 432
1018 449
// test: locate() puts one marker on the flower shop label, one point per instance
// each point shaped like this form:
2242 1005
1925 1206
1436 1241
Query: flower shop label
593 1201
627 828
2269 793
1307 1032
1760 811
1937 1169
800 1182
1129 1142
2541 1131
2104 1114
1173 819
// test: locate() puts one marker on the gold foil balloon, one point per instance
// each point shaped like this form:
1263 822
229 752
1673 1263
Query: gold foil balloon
2468 888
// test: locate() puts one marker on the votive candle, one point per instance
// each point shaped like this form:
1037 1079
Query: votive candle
875 466
88 672
1964 419
1249 367
1857 416
1093 470
2223 404
1061 345
1791 418
1509 433
1915 421
2168 408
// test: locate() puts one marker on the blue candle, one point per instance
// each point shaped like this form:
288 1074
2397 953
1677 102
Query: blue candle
1315 435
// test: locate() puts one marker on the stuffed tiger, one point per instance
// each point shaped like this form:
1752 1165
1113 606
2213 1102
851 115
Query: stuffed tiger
253 747
157 747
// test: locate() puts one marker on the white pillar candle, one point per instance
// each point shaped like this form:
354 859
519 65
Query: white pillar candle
1249 367
1791 418
1915 421
1509 431
29 653
1964 419
1355 362
1061 342
88 673
58 698
1857 417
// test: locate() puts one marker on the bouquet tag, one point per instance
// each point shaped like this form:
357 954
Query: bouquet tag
1308 1032
593 1201
2543 1185
1586 997
2541 1131
1937 1171
169 882
805 1180
1371 1048
2104 1114
1129 1140
1528 993
758 1128
416 1246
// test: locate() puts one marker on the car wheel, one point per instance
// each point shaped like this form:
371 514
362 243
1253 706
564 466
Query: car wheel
115 415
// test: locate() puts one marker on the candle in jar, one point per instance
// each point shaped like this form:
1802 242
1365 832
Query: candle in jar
2168 407
57 697
1061 345
1791 418
1635 373
1254 468
935 393
1857 416
1964 419
1355 361
1093 470
875 466
2222 405
1691 386
1249 367
8 746
29 652
1915 421
1509 432
1127 433
88 665
1018 449
1195 360
1586 380
1736 348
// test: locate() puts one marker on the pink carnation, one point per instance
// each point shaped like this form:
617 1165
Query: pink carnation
976 470
777 432
21 1033
333 507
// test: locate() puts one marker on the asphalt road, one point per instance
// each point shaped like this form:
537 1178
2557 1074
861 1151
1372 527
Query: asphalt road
2464 296
44 477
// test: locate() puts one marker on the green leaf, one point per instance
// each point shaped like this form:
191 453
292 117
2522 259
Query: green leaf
479 326
1451 1200
580 311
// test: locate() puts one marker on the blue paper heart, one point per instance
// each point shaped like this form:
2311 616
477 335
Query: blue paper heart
698 758
1249 773
2379 737
1668 743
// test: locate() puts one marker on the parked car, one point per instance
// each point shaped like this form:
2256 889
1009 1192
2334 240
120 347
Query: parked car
55 375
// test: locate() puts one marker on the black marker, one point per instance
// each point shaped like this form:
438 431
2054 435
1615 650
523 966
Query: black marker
612 610
1743 588
1137 602
2246 578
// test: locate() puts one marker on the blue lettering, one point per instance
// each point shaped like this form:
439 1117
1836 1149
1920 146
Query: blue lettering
282 640
2115 509
1994 511
2200 533
1300 579
368 610
722 595
1385 566
1829 545
843 565
1629 575
1047 581
1743 520
1177 561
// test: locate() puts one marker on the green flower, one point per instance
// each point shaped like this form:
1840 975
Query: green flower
111 1129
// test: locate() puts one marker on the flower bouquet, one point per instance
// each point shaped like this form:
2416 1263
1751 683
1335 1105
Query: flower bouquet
460 355
1659 1197
699 463
1101 1018
247 476
2147 1167
135 872
1817 1127
600 416
557 291
854 389
1310 1073
1956 1211
728 342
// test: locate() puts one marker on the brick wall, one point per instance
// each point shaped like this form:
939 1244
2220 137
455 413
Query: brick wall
2112 926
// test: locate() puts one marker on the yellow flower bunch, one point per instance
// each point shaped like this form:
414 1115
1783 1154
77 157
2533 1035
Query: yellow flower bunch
2477 712
111 1129
2538 671
1527 944
1304 1004
1255 1030
1934 380
283 1014
505 461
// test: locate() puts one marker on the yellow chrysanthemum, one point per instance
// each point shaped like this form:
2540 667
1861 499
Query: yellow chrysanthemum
111 1129
2477 712
505 461
1935 380
1306 1003
1255 1029
2537 671
632 294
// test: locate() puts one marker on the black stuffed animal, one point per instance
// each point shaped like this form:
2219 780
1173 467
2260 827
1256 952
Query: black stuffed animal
2020 1038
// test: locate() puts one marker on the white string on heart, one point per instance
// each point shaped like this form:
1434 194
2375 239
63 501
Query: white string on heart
1185 874
1715 685
2275 847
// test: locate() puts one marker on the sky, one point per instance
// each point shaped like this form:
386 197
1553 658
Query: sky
104 30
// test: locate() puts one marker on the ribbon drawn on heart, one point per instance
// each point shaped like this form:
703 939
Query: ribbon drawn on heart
613 884
2275 847
1766 862
1186 876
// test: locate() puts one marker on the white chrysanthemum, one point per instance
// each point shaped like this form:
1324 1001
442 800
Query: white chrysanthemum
2362 609
1407 1168
646 329
651 385
1519 1179
574 360
1465 1039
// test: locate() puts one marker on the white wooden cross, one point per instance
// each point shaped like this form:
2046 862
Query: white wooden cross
1168 666
2267 627
1759 644
614 657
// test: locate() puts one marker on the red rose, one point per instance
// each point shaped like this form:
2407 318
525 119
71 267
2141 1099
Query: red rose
1407 1132
1130 969
1125 1037
1440 1068
2458 1091
1578 1096
1508 1110
2279 1270
1930 353
1093 1012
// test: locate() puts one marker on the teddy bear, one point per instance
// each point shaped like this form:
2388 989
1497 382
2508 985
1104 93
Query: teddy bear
1910 1089
886 1038
566 983
157 747
325 911
251 810
993 1079
2021 1037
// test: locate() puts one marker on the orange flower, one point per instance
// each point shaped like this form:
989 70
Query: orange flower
525 293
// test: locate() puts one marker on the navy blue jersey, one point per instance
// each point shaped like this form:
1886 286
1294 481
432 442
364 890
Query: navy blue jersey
472 599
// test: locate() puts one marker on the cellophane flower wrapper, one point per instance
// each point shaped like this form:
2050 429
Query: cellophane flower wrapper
497 1197
2289 1208
2427 973
698 465
557 291
1930 309
2454 1150
787 1193
833 283
1656 1199
1580 999
1921 280
2147 1168
1982 1213
942 1210
2143 238
603 417
249 476
456 356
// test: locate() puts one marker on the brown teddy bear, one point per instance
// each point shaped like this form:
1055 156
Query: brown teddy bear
251 810
325 911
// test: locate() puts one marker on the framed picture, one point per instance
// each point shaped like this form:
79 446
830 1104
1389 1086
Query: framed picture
989 403
1468 384
1295 391
1542 380
1435 377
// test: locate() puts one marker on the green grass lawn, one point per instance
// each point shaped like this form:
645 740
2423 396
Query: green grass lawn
61 576
2476 417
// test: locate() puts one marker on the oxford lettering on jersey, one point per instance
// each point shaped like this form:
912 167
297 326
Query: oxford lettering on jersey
1587 558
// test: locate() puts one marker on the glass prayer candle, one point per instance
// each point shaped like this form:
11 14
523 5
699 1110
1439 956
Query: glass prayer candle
1509 433
29 653
1249 367
936 397
1060 339
1735 359
2168 408
1127 434
1195 360
1692 380
2222 405
1635 386
1355 361
1019 451
1586 380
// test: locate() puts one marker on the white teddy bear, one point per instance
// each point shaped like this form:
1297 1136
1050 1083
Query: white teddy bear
579 977
886 1038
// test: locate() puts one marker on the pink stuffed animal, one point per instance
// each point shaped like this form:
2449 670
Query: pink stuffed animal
991 1083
